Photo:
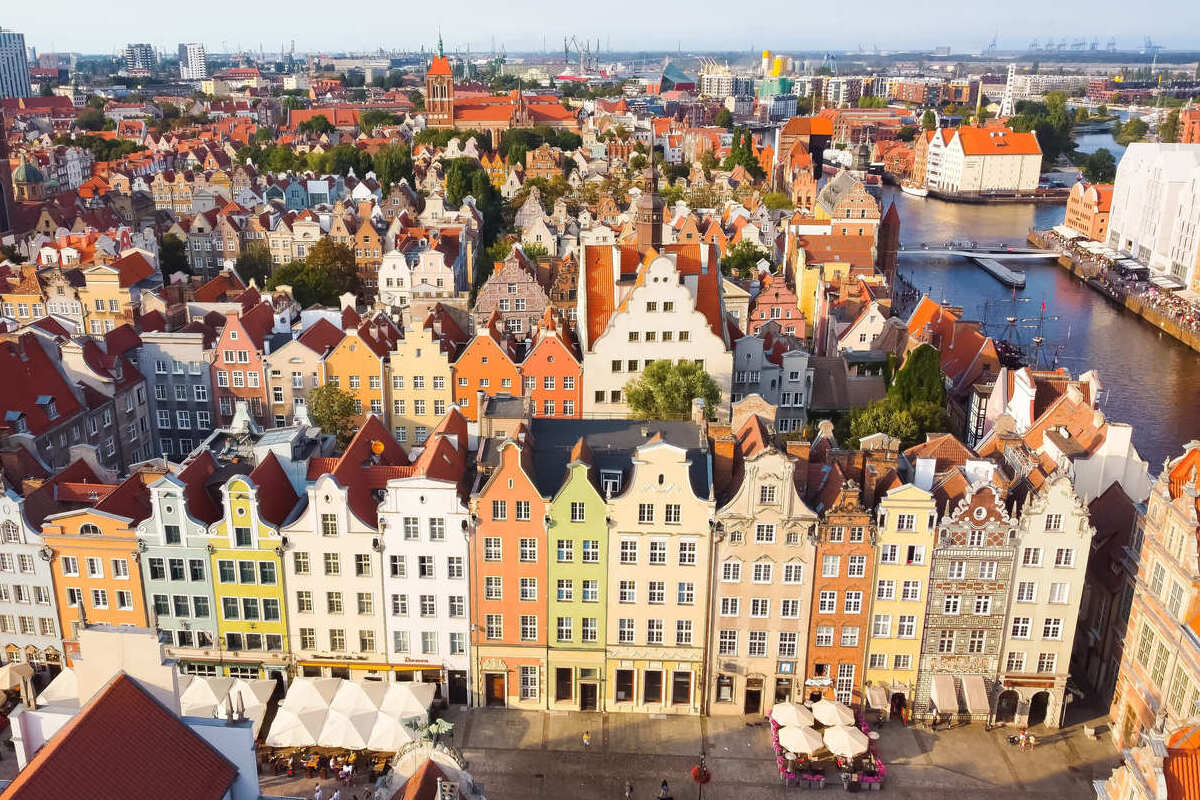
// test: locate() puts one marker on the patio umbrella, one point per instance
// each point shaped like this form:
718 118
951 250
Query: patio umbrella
345 731
844 741
832 712
408 700
202 695
13 673
388 734
351 699
791 714
800 740
249 698
292 729
311 694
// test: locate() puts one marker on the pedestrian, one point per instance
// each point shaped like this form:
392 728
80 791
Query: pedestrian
664 792
317 792
587 740
337 795
628 790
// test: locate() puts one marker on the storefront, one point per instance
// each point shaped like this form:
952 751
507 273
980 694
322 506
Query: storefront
511 678
576 680
654 686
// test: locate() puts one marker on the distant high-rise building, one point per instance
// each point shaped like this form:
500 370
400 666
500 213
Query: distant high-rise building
6 188
192 66
14 67
140 56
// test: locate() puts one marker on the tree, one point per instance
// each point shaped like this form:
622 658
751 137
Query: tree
907 133
324 276
1052 121
665 390
741 151
318 124
1100 166
417 99
724 119
368 121
254 264
776 201
1168 129
741 260
928 120
263 135
332 409
91 119
872 102
883 417
392 163
172 255
1133 130
534 250
919 379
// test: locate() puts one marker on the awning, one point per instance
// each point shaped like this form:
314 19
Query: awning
943 695
877 697
976 694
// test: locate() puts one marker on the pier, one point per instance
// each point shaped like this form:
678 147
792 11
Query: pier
1009 277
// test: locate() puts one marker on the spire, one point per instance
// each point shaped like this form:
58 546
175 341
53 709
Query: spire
440 51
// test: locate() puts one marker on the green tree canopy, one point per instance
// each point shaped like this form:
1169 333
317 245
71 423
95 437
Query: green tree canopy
741 260
324 276
928 120
724 119
1168 129
332 409
919 380
1051 120
254 264
871 102
172 255
90 119
741 152
392 163
907 133
776 201
665 390
373 118
1100 166
1132 131
318 124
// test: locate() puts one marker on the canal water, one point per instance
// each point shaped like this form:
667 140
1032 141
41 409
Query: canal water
1149 379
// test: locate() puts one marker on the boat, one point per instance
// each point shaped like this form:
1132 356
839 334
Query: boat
914 190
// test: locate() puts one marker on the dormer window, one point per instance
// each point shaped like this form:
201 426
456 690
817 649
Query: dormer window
610 481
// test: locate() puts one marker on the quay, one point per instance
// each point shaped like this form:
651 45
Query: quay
1009 277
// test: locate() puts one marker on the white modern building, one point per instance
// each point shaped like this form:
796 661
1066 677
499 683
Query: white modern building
425 529
192 66
1155 213
14 67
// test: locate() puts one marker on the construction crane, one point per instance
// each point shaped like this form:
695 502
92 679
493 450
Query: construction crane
1150 48
1112 44
1034 46
1095 45
991 48
586 57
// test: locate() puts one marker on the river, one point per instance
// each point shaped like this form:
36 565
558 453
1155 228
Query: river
1149 379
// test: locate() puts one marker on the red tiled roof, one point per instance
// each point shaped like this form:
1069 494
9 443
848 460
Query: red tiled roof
218 288
276 497
1181 768
132 269
440 66
320 335
423 784
29 373
129 747
201 503
997 142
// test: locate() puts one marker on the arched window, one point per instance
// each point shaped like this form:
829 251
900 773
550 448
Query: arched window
10 532
89 529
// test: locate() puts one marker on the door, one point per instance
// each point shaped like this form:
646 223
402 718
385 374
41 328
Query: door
458 687
564 677
1037 708
493 690
753 704
783 690
1006 706
587 696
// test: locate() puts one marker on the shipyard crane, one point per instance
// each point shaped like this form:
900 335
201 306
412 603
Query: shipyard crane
1034 46
1112 44
991 48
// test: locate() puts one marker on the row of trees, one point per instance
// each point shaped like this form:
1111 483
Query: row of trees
390 163
102 149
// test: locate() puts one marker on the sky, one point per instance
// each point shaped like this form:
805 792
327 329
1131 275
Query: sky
781 25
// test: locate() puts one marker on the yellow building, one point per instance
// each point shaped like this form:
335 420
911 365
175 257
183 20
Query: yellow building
21 296
358 364
111 292
247 551
906 528
421 380
810 280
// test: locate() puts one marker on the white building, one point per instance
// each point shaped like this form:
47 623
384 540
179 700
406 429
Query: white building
1156 209
425 529
982 160
1054 538
670 309
192 66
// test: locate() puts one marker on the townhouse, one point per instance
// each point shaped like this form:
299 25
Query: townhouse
422 374
297 367
552 370
762 583
426 539
238 368
178 371
358 363
489 365
513 292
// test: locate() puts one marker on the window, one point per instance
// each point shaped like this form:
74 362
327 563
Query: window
1060 594
578 513
658 551
523 514
760 607
824 636
333 602
906 522
528 550
1046 662
529 683
362 565
1031 557
591 551
329 525
882 625
499 510
628 553
425 568
830 566
687 554
1020 627
654 631
1064 557
645 513
889 554
977 642
627 591
1054 522
1052 628
762 572
951 604
945 642
857 567
491 548
827 602
397 567
853 603
1026 592
529 627
957 570
983 605
70 566
730 606
683 632
764 534
591 591
766 495
757 647
987 570
906 626
731 572
850 636
333 564
529 589
304 602
673 514
494 626
727 643
562 629
1015 662
793 573
625 630
656 592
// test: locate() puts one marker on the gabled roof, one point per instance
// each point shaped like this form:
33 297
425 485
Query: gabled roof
423 784
276 497
361 469
320 335
132 268
30 375
128 746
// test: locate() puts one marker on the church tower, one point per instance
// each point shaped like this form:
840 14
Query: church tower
650 212
439 91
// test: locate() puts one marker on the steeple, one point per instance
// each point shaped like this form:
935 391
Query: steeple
649 209
440 51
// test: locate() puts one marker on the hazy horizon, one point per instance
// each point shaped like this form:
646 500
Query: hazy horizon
627 26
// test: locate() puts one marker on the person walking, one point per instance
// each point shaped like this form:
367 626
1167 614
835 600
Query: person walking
317 792
337 795
628 790
664 792
587 740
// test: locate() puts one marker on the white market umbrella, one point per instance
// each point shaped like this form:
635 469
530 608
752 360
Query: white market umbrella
845 741
249 699
292 729
832 712
203 694
63 689
800 740
791 714
376 691
352 699
311 694
388 734
345 731
407 700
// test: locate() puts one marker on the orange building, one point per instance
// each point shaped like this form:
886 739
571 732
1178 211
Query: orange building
1189 126
95 553
553 371
1088 207
843 577
491 364
509 607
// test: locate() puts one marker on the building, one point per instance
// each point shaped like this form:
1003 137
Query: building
1159 681
1156 209
985 160
1088 207
659 562
141 57
906 522
509 566
238 367
297 367
426 535
178 372
358 364
192 66
577 573
422 374
552 372
489 366
1160 766
763 562
14 68
1189 126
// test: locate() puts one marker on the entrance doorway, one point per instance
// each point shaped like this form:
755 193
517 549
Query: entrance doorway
1006 706
587 696
897 705
753 700
564 678
458 687
1037 708
493 690
783 690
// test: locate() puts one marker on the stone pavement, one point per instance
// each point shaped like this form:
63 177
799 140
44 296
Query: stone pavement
533 755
